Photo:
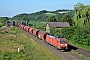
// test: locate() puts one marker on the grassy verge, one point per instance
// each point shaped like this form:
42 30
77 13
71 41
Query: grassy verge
14 38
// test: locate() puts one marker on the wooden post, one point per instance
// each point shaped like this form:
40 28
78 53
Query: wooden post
18 50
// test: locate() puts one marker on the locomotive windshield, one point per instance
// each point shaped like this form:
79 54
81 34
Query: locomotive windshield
63 41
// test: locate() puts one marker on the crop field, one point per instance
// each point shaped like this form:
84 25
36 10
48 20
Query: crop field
14 38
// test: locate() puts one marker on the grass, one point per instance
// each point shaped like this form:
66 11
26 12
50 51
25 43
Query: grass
14 38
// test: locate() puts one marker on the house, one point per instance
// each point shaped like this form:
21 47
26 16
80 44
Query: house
56 25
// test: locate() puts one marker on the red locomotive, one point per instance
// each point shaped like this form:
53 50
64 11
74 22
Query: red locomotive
60 43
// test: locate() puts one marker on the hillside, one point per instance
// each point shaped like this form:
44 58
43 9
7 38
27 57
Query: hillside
42 15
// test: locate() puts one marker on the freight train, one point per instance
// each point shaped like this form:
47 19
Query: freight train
58 42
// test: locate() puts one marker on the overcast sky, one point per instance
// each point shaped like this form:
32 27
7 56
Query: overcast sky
11 8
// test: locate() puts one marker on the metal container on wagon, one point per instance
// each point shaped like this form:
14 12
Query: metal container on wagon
31 30
42 35
35 32
22 26
27 28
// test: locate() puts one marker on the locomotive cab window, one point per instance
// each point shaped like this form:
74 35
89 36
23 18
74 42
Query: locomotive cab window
63 41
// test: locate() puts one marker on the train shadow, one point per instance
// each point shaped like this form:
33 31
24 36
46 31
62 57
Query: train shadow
70 47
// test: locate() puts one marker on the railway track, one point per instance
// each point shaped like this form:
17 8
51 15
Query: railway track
83 52
64 55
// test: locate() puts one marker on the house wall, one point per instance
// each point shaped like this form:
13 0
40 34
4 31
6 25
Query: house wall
47 28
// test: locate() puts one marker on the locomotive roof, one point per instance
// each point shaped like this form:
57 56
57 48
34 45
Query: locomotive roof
54 36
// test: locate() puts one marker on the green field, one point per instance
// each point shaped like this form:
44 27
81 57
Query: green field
50 14
38 24
14 38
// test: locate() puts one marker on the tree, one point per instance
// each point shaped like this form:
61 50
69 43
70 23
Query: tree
51 19
86 13
77 12
67 18
3 21
82 15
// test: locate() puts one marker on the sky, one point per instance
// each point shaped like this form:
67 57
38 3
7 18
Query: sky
10 8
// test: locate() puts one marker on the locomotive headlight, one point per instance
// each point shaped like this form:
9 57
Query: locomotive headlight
65 44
